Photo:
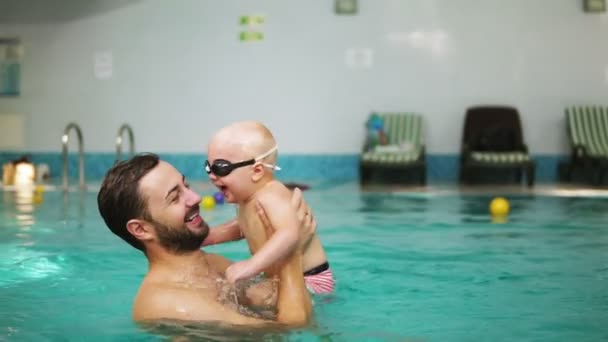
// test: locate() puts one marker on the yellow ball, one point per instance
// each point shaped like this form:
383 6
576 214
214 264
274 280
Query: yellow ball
499 207
208 202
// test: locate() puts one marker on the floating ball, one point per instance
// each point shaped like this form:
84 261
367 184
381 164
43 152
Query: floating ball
208 202
499 207
218 197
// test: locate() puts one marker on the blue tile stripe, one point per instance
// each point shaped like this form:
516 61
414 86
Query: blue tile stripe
441 168
445 167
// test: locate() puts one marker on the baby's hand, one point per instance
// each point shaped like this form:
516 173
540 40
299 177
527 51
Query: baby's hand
238 271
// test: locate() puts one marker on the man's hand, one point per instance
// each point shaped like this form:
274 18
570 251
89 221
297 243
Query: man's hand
307 222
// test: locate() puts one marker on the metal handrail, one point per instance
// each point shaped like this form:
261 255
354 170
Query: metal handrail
121 130
64 141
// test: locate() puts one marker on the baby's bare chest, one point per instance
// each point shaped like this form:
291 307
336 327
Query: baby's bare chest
252 228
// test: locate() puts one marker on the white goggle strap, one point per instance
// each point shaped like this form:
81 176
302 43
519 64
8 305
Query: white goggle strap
270 166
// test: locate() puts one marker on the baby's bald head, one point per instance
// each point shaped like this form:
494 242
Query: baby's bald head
252 138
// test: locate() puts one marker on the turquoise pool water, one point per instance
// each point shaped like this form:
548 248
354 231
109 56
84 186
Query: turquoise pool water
409 267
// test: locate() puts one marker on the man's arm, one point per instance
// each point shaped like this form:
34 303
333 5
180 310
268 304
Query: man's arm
225 232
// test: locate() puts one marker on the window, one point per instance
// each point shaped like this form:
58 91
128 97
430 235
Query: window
10 66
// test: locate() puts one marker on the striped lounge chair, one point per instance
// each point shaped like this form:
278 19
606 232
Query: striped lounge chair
588 132
493 139
405 149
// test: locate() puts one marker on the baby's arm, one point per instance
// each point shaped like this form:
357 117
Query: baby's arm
281 244
226 232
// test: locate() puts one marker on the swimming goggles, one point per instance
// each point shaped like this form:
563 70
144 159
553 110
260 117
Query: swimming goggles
222 167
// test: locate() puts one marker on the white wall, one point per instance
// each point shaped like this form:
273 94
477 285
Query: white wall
180 71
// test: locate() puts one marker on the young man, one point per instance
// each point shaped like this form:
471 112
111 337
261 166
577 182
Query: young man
149 204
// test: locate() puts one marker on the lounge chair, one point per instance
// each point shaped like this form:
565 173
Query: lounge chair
403 151
588 133
493 139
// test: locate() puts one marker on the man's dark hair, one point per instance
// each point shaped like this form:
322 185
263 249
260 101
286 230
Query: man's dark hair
119 199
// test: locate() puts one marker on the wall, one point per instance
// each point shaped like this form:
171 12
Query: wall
180 72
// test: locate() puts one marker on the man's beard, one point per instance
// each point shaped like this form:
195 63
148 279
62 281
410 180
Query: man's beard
180 240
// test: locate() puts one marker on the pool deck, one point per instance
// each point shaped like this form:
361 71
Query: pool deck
560 190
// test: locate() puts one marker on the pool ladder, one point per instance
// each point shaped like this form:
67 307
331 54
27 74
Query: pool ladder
65 138
119 140
64 141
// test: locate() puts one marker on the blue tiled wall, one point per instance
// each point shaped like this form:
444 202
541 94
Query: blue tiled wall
343 167
444 168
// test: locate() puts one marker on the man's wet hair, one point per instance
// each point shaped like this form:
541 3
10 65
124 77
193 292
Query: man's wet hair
119 199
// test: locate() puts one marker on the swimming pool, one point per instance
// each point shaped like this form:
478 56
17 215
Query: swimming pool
420 266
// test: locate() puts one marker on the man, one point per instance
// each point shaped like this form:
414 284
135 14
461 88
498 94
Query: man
149 204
